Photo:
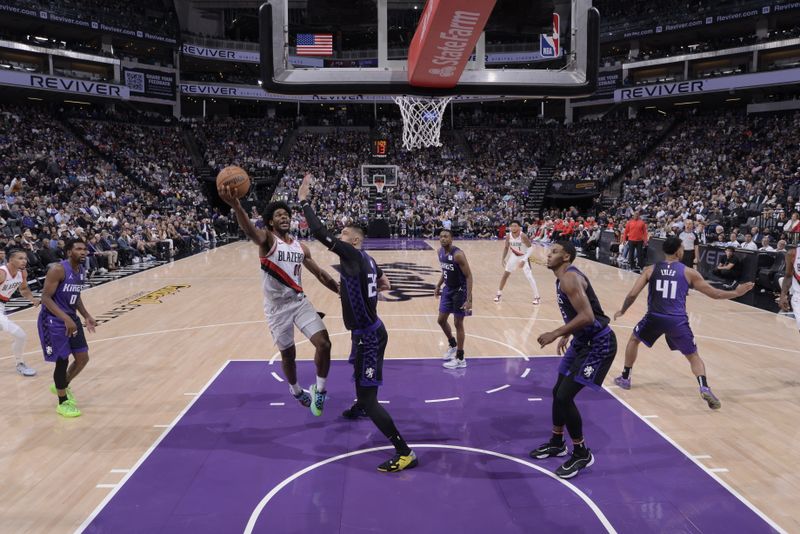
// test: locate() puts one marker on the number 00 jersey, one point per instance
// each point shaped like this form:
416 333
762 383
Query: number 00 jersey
280 270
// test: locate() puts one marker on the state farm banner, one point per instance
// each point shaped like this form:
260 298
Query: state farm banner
84 22
698 87
149 83
64 85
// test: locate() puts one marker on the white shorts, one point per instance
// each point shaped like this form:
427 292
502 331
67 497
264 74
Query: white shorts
284 315
516 262
796 308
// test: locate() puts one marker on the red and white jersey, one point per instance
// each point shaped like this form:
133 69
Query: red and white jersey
796 275
516 244
280 270
10 285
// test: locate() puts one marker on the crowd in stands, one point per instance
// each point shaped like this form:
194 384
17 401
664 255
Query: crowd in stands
148 15
56 187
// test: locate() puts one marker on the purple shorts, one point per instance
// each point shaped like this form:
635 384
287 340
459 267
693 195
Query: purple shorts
675 328
56 344
452 301
587 361
366 356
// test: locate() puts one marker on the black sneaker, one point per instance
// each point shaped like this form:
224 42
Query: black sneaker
571 467
399 462
354 412
548 450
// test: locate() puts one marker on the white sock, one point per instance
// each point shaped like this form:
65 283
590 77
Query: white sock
321 383
499 292
532 282
295 389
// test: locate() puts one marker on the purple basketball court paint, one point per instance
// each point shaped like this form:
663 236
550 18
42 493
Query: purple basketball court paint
233 447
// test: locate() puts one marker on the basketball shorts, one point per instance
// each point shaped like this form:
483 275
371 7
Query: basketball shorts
366 355
796 308
675 329
514 262
588 360
56 344
452 301
284 315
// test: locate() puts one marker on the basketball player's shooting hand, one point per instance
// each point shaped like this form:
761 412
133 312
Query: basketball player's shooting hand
227 197
546 338
91 324
741 289
305 187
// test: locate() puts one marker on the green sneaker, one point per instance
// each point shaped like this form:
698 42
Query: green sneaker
317 400
54 391
68 409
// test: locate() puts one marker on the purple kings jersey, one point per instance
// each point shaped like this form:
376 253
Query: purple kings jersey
667 289
453 276
568 311
69 289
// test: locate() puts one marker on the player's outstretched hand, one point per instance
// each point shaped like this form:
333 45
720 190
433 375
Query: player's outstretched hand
227 197
91 324
741 289
305 187
618 314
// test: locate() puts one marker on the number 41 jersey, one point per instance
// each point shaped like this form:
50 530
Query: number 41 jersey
668 289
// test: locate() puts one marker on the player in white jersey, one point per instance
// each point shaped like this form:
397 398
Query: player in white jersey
285 303
12 278
791 280
515 255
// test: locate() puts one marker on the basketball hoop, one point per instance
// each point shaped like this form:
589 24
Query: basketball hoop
422 120
379 185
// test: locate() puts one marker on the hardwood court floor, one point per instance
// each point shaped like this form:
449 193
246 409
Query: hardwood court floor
169 330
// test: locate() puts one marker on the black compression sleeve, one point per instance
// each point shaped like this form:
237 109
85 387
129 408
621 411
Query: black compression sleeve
318 230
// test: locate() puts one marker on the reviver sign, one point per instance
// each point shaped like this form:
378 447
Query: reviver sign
709 85
64 85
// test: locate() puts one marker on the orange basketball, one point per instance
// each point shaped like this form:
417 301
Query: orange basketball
236 178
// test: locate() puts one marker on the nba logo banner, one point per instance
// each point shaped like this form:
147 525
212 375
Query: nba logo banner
549 44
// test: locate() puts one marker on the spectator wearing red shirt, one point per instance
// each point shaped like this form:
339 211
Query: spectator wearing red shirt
636 236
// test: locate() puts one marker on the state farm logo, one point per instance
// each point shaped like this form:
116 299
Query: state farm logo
444 72
453 44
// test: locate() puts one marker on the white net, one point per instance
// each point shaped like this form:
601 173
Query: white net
422 120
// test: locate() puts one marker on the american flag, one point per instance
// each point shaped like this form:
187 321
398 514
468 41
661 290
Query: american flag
314 44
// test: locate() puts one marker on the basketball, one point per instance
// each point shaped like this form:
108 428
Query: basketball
236 178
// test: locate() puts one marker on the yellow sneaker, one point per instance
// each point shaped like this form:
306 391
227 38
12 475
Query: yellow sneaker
398 463
68 409
54 391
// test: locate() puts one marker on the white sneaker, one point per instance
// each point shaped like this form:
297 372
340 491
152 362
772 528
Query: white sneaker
24 370
450 354
498 297
455 364
537 301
